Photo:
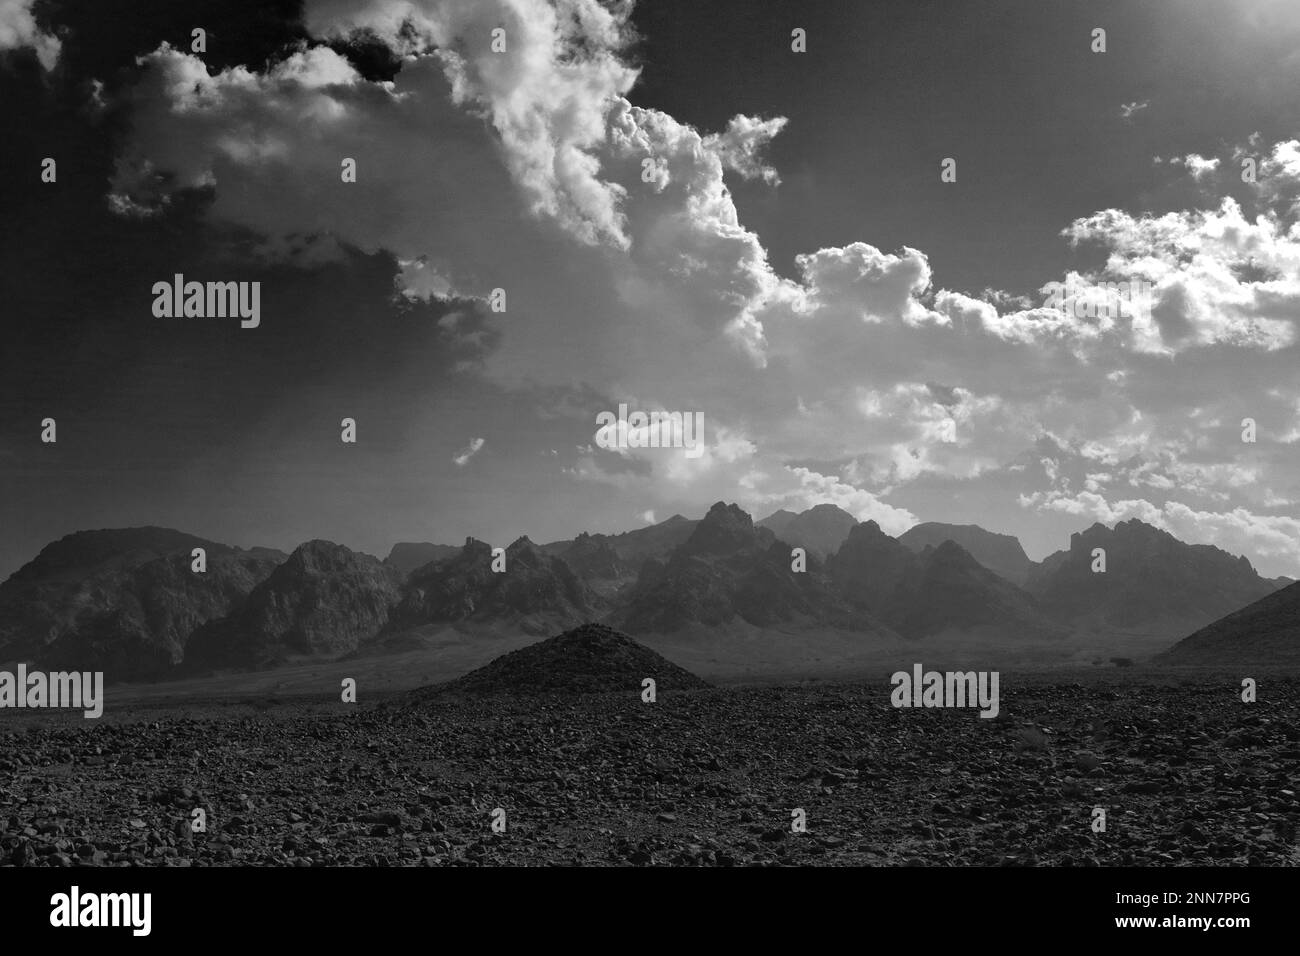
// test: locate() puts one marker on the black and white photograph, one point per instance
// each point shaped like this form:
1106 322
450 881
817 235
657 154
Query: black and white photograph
843 435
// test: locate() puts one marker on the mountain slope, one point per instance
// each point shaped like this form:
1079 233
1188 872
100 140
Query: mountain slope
941 589
820 530
323 601
591 658
634 547
777 522
1000 553
593 559
1265 632
122 601
537 593
1153 584
407 556
727 571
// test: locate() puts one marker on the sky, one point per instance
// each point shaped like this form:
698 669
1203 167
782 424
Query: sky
894 271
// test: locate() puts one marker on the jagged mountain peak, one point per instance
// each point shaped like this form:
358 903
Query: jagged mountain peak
727 571
1153 583
724 529
323 556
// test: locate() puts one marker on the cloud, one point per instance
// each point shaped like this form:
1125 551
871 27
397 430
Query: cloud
739 144
1198 167
1217 277
816 488
469 451
18 30
546 93
1093 506
1278 180
523 171
1237 531
238 120
1128 110
878 286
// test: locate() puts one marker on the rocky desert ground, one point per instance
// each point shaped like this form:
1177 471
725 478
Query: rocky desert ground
1186 772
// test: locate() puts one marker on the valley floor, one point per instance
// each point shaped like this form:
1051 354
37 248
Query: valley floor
1185 772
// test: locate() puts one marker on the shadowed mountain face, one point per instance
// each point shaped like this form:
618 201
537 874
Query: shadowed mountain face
820 530
1153 583
634 547
1000 553
1266 632
537 592
728 570
406 556
122 601
870 567
777 522
940 589
592 658
325 600
593 559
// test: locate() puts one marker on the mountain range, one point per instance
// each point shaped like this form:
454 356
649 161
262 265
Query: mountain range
323 601
727 570
1000 553
123 601
937 590
406 556
536 592
821 529
1153 583
127 601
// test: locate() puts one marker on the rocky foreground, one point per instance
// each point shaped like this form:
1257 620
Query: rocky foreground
1185 771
